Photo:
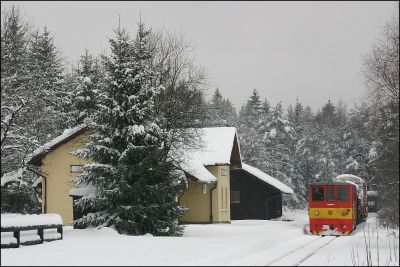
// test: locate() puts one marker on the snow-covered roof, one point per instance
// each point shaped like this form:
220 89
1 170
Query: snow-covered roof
356 185
218 143
268 179
372 193
349 177
36 156
83 191
215 148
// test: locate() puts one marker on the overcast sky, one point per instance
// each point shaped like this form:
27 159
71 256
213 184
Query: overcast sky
286 50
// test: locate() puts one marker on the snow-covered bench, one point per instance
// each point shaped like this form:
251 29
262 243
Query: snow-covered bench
20 222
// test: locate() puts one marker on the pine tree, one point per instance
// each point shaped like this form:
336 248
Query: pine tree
328 135
307 147
48 116
249 123
88 79
279 139
221 112
358 143
295 116
136 183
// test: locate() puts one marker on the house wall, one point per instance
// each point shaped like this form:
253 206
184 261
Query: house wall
258 200
56 168
221 195
199 203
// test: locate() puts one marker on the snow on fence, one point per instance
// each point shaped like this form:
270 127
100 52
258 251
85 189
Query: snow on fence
27 222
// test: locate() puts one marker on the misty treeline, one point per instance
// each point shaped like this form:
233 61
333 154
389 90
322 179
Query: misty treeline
41 97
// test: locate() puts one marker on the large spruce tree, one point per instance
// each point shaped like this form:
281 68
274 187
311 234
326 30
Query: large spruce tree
135 182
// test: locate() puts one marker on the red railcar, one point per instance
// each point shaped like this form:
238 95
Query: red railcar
337 206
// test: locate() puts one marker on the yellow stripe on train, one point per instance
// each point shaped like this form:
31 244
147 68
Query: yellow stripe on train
330 213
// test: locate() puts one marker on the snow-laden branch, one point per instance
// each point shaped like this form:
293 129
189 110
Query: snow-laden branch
12 176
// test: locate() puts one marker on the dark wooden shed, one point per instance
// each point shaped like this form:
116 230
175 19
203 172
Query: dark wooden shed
255 195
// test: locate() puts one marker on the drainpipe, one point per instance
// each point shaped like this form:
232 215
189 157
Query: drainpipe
211 210
45 195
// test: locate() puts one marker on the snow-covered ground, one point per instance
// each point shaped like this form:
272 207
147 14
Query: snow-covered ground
249 242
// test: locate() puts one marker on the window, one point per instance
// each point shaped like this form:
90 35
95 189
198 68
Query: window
318 193
75 168
235 197
330 194
224 172
343 194
222 199
226 199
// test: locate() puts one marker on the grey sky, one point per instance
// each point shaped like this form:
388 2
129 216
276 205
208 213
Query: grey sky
309 50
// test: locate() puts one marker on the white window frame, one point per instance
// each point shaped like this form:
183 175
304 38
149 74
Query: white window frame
224 172
74 170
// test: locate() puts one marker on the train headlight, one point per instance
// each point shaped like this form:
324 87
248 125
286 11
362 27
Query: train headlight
316 213
345 212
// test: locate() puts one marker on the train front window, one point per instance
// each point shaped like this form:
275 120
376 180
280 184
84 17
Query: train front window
330 194
343 194
318 193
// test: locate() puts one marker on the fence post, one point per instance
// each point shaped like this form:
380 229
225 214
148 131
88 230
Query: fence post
60 230
17 236
40 233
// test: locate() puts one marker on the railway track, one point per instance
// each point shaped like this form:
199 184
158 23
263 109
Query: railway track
229 256
312 253
298 255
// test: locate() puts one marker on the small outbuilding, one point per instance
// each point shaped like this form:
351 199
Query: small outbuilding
255 194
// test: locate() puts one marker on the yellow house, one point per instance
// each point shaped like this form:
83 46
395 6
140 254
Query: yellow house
207 168
59 168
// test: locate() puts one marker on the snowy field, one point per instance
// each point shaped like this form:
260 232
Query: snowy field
250 242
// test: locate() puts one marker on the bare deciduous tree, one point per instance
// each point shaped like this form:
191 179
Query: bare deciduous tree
381 68
181 103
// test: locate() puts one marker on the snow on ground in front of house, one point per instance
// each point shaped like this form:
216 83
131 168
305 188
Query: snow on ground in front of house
247 242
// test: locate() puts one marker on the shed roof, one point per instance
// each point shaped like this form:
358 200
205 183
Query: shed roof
267 178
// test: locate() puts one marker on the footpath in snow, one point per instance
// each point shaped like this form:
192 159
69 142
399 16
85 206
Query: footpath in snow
247 242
